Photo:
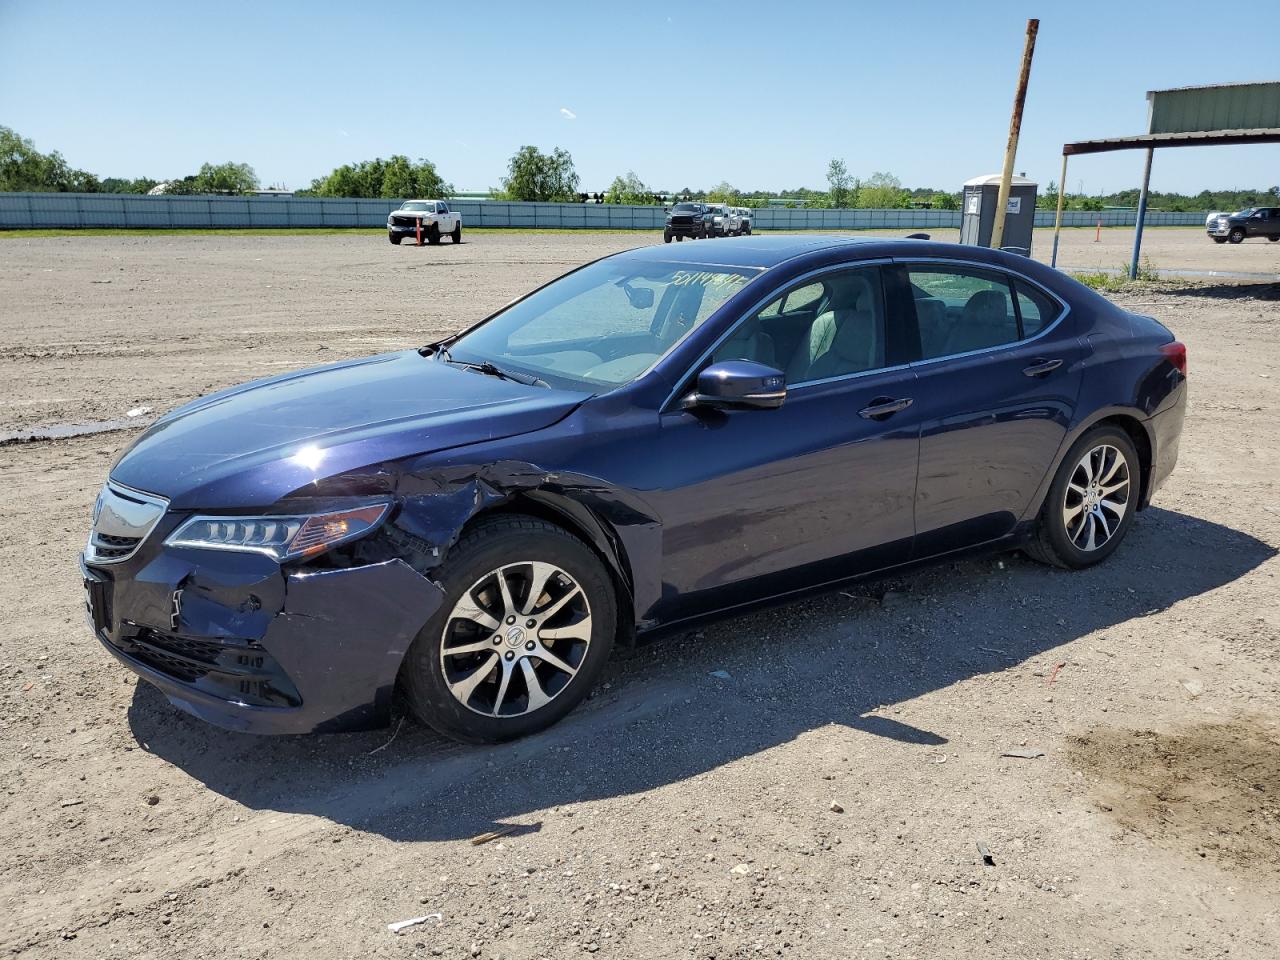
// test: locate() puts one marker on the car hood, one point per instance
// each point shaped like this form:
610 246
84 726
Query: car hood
253 444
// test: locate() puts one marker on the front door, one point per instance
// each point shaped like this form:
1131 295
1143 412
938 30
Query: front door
819 488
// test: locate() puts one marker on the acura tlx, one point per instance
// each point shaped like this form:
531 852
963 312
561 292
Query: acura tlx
657 437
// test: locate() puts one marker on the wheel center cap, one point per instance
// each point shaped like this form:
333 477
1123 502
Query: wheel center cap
515 636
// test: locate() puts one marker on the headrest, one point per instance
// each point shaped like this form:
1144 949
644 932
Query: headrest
986 305
850 293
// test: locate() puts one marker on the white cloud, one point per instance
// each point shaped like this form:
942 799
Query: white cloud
568 114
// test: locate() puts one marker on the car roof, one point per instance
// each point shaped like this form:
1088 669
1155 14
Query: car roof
765 252
762 251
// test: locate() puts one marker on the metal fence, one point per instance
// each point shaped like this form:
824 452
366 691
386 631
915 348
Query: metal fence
20 211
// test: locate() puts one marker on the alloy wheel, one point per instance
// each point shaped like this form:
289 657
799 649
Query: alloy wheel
515 639
1097 497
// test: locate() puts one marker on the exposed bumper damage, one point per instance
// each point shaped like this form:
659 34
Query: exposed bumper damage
266 651
235 639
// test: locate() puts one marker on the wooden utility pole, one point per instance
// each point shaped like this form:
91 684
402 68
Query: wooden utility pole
1015 127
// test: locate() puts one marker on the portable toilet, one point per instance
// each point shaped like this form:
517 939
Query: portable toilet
979 216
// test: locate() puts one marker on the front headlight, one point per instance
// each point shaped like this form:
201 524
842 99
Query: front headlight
281 538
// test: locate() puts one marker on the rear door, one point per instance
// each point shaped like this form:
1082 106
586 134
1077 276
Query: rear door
997 385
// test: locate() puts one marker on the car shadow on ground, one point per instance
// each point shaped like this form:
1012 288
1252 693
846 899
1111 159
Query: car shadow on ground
1240 290
677 708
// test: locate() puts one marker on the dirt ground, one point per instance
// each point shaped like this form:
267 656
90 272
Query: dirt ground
826 798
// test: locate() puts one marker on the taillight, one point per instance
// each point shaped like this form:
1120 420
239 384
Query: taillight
1176 353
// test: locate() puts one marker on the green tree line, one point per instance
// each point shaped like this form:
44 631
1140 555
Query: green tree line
550 176
23 167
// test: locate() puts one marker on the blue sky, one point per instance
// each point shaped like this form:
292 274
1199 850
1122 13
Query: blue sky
762 94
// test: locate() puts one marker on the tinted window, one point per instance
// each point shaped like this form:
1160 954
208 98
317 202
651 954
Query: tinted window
444 208
829 328
960 310
1037 309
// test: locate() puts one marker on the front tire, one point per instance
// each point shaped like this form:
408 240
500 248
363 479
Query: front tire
1236 235
526 626
1273 239
394 238
1091 503
666 236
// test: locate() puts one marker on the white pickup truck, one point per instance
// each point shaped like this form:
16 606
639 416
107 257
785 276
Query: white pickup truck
432 217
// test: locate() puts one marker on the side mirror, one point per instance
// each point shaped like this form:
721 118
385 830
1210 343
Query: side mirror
740 383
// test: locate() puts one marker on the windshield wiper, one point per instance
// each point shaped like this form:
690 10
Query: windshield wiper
490 369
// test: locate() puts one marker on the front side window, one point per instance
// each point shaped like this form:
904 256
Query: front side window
831 327
603 325
959 310
442 208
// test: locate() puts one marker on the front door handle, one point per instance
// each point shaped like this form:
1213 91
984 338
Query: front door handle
1040 367
884 407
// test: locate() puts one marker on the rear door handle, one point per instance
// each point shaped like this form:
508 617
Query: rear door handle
1040 367
883 407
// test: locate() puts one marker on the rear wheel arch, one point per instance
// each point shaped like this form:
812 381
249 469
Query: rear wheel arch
1130 423
1141 437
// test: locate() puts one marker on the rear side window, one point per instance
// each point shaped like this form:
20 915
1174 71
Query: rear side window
1038 310
961 310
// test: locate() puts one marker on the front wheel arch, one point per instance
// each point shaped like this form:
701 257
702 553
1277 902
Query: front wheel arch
584 524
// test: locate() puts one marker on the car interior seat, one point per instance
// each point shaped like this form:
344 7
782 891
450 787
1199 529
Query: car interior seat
984 322
749 342
844 337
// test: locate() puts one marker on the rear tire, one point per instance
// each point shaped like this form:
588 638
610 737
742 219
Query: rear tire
1091 503
1236 235
433 234
1273 239
492 693
457 233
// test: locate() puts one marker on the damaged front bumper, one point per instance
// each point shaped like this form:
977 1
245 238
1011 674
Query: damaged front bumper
248 645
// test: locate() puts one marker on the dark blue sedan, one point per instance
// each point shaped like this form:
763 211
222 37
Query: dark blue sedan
662 435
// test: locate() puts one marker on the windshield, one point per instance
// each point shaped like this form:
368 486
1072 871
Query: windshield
418 205
685 208
603 325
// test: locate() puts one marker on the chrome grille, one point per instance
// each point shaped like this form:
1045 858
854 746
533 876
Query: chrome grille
122 519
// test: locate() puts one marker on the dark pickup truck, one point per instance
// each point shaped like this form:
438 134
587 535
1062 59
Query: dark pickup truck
1254 222
692 220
